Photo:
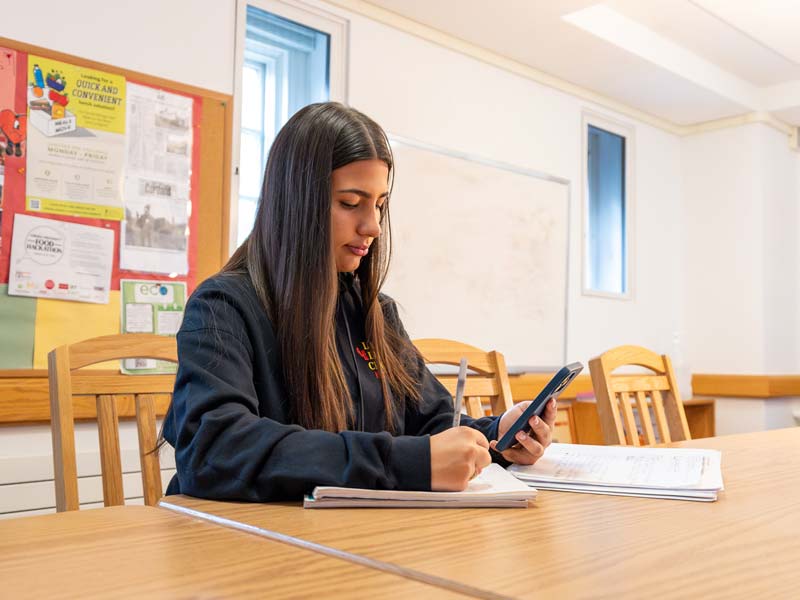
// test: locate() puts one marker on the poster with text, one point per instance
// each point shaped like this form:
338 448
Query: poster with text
76 142
154 236
60 260
151 307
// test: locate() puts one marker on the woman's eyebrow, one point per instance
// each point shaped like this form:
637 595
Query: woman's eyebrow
360 193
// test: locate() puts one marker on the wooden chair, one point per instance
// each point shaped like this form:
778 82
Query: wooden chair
489 383
658 392
112 393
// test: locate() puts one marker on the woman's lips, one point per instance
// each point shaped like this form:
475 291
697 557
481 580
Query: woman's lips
358 250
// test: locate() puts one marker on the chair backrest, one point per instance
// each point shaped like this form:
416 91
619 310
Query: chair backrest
110 392
657 392
489 382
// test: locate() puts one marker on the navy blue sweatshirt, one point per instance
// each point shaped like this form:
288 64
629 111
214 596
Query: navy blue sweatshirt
229 419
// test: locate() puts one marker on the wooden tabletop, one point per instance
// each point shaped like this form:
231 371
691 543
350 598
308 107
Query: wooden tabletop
579 545
149 552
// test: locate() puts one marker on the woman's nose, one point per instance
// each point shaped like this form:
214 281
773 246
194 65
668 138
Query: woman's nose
370 226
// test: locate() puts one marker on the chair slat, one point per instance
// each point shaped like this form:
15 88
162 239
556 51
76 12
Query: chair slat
130 345
661 418
86 382
676 416
85 407
607 405
62 429
474 407
476 385
644 417
449 352
635 383
110 460
630 422
503 401
151 471
633 355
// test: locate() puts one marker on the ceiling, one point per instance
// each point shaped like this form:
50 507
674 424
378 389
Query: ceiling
685 61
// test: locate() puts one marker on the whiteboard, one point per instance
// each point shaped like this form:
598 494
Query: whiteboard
480 253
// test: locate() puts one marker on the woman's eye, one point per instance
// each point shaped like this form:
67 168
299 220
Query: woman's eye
347 204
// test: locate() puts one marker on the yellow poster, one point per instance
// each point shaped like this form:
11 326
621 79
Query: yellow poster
59 322
76 140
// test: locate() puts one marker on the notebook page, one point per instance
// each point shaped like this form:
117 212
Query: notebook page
669 468
493 482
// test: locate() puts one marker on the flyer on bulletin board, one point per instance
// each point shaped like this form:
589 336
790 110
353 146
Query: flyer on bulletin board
76 142
151 307
60 260
155 234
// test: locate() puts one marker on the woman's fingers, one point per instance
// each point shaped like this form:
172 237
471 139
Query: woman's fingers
550 413
541 431
526 453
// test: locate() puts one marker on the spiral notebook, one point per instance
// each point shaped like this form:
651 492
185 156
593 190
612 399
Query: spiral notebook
493 488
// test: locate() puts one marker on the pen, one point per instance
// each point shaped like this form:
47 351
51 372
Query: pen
459 400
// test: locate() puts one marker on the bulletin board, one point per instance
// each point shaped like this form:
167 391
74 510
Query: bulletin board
35 105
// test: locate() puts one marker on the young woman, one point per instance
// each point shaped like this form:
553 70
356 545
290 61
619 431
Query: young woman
294 371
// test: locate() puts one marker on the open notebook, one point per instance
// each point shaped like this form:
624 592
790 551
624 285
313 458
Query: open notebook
494 487
676 473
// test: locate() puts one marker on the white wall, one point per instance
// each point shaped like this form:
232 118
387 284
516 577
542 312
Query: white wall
740 193
419 90
781 263
191 41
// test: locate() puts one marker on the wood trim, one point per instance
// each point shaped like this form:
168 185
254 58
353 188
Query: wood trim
25 399
526 386
214 193
746 386
24 395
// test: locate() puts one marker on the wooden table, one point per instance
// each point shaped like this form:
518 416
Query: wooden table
149 552
578 545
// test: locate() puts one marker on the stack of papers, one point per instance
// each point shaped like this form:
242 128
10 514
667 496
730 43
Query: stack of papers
494 487
676 473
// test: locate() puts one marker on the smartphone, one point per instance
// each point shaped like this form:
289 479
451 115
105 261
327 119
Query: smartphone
553 388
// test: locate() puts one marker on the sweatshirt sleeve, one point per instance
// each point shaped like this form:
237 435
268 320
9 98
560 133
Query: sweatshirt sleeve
226 449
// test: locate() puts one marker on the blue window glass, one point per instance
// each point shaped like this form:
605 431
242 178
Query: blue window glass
286 67
606 240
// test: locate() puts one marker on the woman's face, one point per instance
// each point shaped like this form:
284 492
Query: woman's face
358 191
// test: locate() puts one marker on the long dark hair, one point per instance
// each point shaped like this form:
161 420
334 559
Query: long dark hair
288 257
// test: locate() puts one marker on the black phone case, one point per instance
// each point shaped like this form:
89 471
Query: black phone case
553 388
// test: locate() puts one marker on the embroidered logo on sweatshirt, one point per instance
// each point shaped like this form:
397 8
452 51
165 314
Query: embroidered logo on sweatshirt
365 352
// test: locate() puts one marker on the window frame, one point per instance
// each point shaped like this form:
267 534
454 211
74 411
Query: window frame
308 14
626 131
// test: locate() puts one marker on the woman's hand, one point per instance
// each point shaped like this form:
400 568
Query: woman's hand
530 447
457 455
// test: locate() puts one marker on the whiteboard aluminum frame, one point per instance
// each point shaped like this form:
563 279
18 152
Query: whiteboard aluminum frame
520 171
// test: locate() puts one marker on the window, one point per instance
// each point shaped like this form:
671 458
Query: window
607 209
291 58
